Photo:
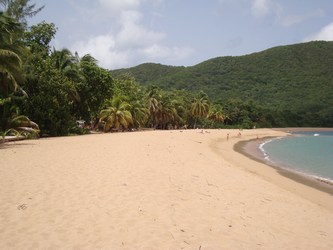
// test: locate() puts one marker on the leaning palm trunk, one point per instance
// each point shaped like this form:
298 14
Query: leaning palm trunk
21 126
10 131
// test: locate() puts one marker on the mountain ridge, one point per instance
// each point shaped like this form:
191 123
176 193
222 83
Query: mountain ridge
296 77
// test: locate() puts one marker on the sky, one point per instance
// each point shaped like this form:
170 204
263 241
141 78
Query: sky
126 33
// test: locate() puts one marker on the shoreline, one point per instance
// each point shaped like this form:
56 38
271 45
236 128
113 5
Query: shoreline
308 188
300 129
251 150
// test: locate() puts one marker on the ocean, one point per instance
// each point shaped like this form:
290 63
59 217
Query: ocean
309 153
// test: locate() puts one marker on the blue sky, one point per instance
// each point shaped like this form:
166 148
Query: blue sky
125 33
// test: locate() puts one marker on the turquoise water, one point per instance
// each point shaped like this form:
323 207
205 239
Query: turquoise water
310 153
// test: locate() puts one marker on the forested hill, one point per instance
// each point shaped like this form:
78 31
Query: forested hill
294 77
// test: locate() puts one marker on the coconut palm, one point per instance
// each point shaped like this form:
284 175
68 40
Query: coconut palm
216 113
11 75
139 113
68 65
199 107
10 72
20 125
116 114
181 105
24 124
166 112
153 102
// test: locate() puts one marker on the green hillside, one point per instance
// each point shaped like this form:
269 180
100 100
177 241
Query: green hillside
296 78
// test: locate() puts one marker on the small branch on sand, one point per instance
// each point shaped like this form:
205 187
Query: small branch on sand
208 195
209 184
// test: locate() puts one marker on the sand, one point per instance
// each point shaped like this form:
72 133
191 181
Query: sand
154 190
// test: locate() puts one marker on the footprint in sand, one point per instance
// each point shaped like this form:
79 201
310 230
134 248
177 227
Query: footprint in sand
22 207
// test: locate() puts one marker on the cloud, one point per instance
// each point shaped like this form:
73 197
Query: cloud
103 49
123 5
120 5
260 8
289 20
170 54
128 41
120 51
111 55
325 34
132 34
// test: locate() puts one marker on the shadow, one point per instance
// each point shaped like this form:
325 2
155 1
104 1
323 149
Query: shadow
14 144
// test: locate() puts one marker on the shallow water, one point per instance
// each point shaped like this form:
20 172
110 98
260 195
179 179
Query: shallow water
310 153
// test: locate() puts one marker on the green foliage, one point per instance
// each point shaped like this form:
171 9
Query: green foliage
11 74
200 107
20 10
282 86
147 72
94 89
11 79
12 123
39 36
48 103
294 82
116 114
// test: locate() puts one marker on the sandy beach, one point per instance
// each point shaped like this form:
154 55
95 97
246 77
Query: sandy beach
179 189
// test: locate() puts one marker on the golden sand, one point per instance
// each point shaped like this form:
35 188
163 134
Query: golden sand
154 190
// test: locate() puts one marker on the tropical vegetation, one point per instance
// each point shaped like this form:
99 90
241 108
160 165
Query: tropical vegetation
283 86
49 92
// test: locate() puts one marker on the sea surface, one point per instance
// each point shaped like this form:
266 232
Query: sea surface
309 153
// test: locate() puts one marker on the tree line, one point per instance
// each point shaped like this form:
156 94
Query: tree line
50 92
44 91
288 85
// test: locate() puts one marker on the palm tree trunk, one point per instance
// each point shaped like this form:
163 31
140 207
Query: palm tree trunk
195 122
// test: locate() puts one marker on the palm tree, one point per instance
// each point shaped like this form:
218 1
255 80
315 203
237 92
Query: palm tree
139 113
68 65
161 108
116 114
20 125
166 112
166 108
153 102
199 107
181 105
216 113
11 75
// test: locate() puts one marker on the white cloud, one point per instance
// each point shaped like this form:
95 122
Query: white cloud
127 41
103 49
326 34
134 35
112 52
123 5
260 8
290 20
120 5
156 52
